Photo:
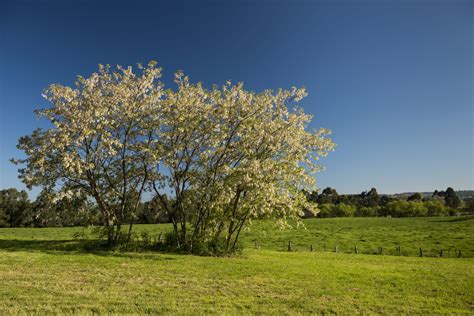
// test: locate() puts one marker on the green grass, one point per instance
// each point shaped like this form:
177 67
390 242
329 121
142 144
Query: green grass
47 271
432 234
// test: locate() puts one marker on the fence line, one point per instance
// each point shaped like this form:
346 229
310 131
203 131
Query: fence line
357 249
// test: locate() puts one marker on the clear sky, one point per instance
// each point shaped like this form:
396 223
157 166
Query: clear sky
393 80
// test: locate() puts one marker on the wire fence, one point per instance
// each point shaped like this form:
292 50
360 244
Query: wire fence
449 252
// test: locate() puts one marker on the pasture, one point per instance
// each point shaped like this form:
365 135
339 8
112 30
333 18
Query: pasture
47 270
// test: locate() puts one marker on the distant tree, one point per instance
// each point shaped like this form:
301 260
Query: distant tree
415 197
3 215
451 199
348 199
437 193
15 208
312 197
370 198
469 205
406 209
365 211
43 209
386 199
328 195
436 208
326 210
152 212
344 210
49 211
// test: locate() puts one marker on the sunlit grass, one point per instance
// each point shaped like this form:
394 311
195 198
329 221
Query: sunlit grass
47 271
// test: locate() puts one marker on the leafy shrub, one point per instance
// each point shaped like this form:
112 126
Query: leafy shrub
344 210
406 209
339 210
368 211
325 210
436 208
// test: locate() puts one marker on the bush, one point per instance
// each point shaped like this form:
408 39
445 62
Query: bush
344 210
406 209
436 208
338 210
325 210
368 211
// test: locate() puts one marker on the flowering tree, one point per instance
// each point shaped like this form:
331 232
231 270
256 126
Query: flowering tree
97 144
232 156
215 159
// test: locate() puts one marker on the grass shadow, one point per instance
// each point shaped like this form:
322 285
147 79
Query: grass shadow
455 219
45 245
75 246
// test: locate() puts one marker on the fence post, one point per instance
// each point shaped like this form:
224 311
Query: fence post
459 254
336 249
421 252
311 248
441 253
399 250
256 245
289 245
356 250
381 250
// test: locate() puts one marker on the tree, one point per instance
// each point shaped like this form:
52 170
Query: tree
451 199
224 156
436 208
370 198
97 145
15 208
406 209
49 211
415 197
344 210
233 156
328 195
469 205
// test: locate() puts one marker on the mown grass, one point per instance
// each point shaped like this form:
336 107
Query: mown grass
48 271
258 282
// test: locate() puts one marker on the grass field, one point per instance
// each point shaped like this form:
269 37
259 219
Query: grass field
46 270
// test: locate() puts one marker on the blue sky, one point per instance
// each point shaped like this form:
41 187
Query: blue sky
393 80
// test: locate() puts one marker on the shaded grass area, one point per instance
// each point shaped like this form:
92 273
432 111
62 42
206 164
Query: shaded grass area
259 281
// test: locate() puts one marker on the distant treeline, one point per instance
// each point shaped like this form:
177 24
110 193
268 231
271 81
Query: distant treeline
370 203
16 210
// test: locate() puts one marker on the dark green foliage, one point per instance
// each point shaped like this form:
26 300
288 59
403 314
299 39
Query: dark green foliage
64 212
329 195
415 197
338 210
152 212
370 199
436 208
406 209
370 204
365 211
15 208
451 198
469 205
